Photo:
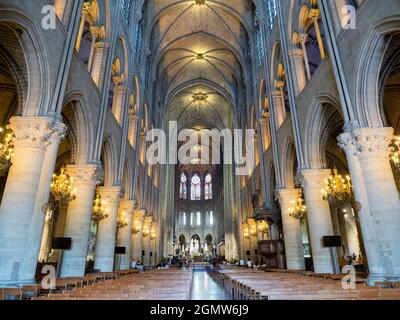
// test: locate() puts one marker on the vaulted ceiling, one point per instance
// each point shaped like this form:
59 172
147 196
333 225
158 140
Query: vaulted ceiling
200 58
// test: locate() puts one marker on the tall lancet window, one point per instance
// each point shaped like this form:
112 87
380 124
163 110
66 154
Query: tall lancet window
259 39
195 189
271 12
127 9
183 187
208 187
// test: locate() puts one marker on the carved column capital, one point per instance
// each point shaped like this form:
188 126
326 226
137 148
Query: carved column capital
346 142
110 194
280 84
296 53
148 220
373 142
127 206
275 94
32 132
86 174
264 120
97 32
120 87
314 179
314 14
59 131
102 45
132 114
287 196
138 216
303 38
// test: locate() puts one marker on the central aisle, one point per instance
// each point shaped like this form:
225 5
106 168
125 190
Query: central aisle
205 288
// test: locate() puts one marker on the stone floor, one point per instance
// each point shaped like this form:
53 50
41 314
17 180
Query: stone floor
205 288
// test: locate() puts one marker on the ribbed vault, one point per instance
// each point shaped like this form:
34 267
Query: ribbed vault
200 47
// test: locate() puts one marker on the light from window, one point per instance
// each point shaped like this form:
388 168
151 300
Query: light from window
191 218
183 187
211 218
208 187
182 218
270 5
127 9
198 219
259 39
195 190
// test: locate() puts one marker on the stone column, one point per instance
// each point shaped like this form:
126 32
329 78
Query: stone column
119 102
314 15
125 234
107 230
280 85
298 61
374 256
133 124
303 39
265 131
85 10
153 244
277 104
137 238
383 198
77 225
291 229
319 218
100 52
148 221
34 239
17 211
95 31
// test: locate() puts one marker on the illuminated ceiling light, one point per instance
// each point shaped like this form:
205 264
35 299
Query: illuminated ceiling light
298 210
200 97
200 56
338 190
200 2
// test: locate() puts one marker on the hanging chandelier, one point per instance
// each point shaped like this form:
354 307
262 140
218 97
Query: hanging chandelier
61 191
299 209
252 227
99 211
263 226
338 189
146 230
6 153
395 153
246 231
153 234
122 222
136 227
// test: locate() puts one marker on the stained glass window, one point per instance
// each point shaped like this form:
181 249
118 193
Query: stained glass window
195 190
259 39
183 187
208 192
127 9
270 5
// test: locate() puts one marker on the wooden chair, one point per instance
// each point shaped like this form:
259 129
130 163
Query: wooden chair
16 293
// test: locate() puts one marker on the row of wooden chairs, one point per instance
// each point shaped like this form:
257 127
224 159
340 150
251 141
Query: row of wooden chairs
248 284
152 285
62 284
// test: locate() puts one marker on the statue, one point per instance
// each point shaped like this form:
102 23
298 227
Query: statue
255 201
